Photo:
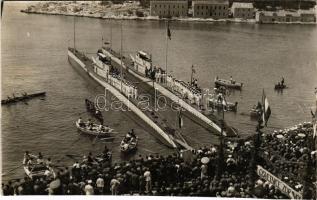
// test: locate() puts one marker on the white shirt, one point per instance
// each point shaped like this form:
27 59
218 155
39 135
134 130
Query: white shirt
100 182
147 176
89 190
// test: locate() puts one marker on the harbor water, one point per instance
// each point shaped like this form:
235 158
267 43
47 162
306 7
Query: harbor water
34 58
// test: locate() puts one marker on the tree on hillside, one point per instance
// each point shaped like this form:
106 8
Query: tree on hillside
145 3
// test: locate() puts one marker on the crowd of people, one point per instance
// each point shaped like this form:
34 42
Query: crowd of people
188 173
287 152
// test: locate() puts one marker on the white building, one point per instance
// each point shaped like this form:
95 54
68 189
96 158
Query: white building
285 16
242 10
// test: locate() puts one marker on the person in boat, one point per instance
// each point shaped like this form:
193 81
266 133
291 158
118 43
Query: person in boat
48 162
89 124
101 128
282 82
132 133
26 158
80 122
97 112
219 98
40 159
258 106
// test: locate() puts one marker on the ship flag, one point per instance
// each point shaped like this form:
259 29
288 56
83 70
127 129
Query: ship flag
266 110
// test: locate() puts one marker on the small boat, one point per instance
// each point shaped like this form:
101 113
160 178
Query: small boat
90 106
214 103
128 144
103 157
94 130
228 84
33 169
25 96
279 87
38 171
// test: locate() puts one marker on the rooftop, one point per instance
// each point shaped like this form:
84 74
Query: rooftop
242 5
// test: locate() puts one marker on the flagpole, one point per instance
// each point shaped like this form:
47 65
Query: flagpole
110 34
121 57
166 48
191 77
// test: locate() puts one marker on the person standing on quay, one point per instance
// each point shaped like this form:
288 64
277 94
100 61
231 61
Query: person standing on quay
100 183
148 181
89 190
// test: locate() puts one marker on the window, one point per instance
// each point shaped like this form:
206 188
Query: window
197 7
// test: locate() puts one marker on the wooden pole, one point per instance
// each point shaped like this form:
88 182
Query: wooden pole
166 47
74 34
121 57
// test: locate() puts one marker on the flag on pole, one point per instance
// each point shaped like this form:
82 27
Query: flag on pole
169 35
266 110
180 119
193 69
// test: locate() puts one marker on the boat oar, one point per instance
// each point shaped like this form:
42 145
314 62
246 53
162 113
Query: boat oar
96 138
108 138
12 170
73 155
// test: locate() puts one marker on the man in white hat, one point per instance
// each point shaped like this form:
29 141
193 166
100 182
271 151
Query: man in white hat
89 190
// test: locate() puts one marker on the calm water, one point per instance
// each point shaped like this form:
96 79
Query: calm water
34 58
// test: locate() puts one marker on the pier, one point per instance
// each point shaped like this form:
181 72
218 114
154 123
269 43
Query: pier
151 118
192 113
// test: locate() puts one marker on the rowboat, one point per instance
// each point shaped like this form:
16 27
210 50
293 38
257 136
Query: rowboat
214 103
21 98
90 106
38 171
128 146
279 87
228 84
94 130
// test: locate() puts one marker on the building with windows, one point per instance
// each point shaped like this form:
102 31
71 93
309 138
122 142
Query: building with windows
282 16
169 8
216 9
242 10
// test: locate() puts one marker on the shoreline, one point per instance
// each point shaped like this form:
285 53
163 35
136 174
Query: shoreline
155 18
